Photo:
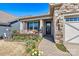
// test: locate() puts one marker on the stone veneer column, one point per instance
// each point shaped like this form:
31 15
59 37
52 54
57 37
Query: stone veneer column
58 27
59 31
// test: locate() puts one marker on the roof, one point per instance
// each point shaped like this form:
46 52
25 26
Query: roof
35 17
6 18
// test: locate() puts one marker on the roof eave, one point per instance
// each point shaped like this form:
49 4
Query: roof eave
35 17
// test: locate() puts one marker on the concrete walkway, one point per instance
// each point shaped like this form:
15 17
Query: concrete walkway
49 48
72 48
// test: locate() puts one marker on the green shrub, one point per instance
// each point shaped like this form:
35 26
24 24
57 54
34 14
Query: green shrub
28 50
19 38
14 31
37 38
36 52
24 37
33 46
30 42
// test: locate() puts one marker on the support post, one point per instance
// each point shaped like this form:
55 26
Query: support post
41 28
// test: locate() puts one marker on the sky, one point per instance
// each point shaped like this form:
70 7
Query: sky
25 9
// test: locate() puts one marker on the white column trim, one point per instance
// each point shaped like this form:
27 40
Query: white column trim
21 27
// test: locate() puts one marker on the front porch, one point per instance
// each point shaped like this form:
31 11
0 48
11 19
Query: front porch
42 26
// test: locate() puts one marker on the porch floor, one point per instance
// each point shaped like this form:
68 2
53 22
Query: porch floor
49 49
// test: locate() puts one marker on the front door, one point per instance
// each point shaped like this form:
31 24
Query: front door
48 27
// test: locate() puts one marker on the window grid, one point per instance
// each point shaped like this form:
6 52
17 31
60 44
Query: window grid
76 19
33 25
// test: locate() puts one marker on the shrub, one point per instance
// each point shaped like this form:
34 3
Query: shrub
37 38
36 52
25 37
14 31
29 42
28 50
33 46
19 38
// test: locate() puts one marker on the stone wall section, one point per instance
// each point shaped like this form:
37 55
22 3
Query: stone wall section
58 17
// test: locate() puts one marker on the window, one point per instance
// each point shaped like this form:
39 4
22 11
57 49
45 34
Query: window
76 19
36 25
30 25
33 25
66 19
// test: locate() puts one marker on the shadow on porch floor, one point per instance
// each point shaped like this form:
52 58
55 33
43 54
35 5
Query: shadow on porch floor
49 37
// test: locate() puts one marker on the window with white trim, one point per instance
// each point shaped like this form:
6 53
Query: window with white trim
33 25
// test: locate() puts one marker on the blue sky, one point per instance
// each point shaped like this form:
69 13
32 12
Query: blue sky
25 9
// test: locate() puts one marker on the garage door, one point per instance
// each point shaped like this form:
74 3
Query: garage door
71 30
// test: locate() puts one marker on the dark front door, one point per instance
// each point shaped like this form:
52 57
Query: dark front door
48 27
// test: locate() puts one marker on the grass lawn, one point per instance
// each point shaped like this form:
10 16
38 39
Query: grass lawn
61 47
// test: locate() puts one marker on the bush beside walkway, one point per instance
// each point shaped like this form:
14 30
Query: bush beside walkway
31 42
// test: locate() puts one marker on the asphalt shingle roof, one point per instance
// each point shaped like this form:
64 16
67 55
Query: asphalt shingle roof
6 18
